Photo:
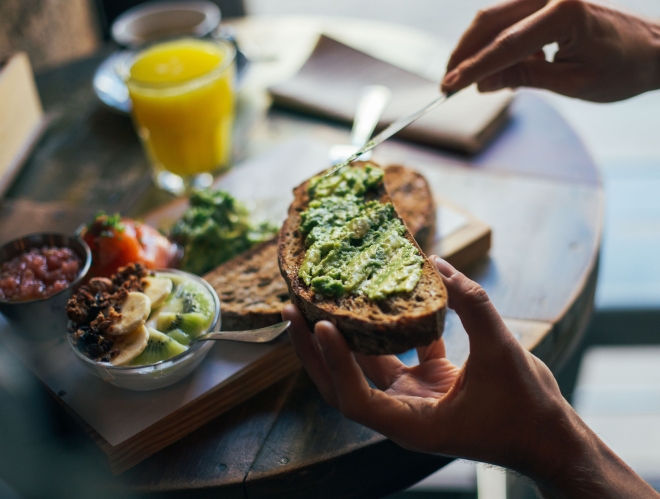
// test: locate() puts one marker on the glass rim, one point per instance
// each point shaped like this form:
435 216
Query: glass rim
125 66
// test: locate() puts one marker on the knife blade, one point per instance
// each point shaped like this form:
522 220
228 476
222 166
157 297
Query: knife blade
395 127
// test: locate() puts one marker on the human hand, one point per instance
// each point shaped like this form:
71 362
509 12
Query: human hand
605 53
501 407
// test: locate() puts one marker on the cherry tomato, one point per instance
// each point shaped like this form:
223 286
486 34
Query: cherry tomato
157 251
116 242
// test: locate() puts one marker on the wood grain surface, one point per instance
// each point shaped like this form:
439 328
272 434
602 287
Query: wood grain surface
282 467
536 186
218 455
251 381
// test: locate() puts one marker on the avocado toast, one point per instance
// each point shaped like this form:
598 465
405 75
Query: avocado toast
250 286
347 257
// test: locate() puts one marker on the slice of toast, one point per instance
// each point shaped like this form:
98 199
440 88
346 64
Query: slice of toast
251 289
396 324
413 201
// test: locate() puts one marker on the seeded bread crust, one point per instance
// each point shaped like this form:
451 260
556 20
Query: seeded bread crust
413 200
251 289
394 325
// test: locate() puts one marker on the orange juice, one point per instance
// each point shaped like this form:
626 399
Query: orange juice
183 104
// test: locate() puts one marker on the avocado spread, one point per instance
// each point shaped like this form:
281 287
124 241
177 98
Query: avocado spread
215 228
355 246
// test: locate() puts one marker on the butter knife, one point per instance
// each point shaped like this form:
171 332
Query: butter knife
395 127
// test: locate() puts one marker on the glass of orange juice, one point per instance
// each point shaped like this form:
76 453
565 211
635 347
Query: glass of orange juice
183 108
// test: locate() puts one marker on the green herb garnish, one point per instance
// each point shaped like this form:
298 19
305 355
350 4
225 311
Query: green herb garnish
106 225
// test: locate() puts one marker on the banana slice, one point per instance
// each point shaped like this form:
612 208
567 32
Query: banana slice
157 289
130 346
134 311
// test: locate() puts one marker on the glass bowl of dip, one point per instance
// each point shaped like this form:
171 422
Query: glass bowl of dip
43 318
165 372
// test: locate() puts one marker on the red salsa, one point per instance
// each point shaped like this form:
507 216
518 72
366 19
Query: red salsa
38 273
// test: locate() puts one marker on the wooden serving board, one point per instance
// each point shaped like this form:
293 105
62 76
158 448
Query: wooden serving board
265 184
250 381
130 426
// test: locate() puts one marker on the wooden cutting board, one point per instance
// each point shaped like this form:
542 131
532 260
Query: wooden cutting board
265 184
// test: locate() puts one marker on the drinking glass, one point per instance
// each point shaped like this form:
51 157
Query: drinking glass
183 108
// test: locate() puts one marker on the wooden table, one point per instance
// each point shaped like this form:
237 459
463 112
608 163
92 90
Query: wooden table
536 186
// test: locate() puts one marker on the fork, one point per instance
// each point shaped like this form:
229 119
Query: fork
371 104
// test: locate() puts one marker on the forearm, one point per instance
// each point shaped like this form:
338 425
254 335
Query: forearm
605 476
580 465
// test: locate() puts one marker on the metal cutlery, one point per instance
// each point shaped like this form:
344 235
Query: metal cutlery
371 104
263 335
395 127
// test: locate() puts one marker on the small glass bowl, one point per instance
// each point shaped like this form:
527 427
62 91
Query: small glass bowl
164 372
43 318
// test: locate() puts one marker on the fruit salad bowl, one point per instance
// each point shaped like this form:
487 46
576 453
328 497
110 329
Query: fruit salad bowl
161 373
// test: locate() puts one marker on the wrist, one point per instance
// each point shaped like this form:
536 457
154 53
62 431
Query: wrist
573 462
567 459
561 446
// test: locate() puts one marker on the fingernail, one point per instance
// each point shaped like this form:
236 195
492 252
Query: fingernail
443 267
450 78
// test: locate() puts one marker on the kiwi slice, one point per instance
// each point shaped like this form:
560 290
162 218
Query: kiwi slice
191 323
180 336
159 347
187 297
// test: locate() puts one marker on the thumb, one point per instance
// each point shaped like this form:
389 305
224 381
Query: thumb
470 301
533 72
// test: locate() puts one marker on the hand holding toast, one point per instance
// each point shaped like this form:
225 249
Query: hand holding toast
605 53
503 406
